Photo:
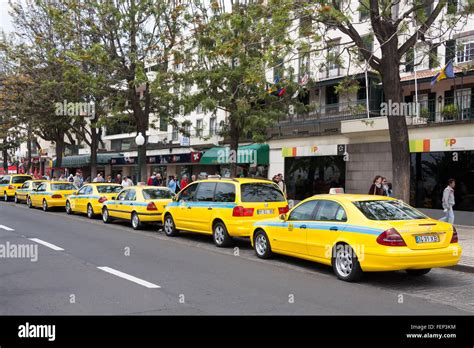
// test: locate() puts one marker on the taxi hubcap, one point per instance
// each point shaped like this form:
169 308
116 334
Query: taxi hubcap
45 205
168 226
135 220
219 234
89 211
68 206
261 244
105 214
344 262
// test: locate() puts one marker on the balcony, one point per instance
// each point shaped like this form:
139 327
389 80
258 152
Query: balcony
453 109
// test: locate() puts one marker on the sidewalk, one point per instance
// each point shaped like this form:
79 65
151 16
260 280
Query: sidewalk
464 218
466 240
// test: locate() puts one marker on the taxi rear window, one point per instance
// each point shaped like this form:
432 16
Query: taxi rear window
157 194
20 179
261 193
60 187
109 188
5 180
388 210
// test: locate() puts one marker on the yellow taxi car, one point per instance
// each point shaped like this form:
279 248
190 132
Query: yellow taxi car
225 208
50 194
10 183
21 194
359 233
137 204
90 198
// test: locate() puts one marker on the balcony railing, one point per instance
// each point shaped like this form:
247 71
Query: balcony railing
453 109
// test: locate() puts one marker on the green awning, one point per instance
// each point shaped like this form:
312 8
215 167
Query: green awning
84 160
247 154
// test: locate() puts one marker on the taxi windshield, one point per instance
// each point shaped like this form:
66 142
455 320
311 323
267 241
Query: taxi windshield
388 210
60 187
157 194
109 188
20 179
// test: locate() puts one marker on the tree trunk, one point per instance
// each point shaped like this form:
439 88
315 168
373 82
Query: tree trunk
397 123
28 145
5 156
94 146
234 133
59 154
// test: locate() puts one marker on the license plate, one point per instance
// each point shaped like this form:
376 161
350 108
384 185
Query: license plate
427 239
264 211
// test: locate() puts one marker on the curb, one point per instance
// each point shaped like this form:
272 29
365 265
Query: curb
462 268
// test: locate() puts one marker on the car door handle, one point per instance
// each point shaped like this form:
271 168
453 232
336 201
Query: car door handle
303 226
334 228
209 208
189 207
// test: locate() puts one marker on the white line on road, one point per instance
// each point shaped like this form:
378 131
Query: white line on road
6 228
49 245
129 277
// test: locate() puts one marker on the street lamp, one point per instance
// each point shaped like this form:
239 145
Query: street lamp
140 141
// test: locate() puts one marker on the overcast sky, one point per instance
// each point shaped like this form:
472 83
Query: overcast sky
5 22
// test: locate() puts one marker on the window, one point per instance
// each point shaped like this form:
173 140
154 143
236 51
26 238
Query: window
261 193
60 187
108 188
330 211
157 194
174 134
82 191
5 180
20 179
188 194
304 211
333 56
410 60
306 24
41 188
465 52
122 195
88 190
388 210
212 126
199 128
25 185
225 192
131 195
422 57
199 109
303 63
450 50
462 99
163 123
36 184
368 42
205 192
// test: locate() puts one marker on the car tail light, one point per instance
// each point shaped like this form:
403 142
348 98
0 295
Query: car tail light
11 187
283 210
56 196
151 206
454 238
241 211
102 199
391 237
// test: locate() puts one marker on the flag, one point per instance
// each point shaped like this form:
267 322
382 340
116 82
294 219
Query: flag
446 72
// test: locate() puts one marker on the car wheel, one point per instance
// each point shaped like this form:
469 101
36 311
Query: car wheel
345 263
16 199
105 215
5 197
45 205
136 223
28 202
68 208
90 212
418 272
220 235
262 245
169 226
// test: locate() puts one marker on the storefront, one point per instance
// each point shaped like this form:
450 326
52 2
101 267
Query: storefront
252 160
433 162
82 163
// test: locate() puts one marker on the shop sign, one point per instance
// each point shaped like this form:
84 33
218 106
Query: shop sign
442 144
314 150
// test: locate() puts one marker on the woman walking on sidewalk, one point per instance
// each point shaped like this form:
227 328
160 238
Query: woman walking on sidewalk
448 202
376 188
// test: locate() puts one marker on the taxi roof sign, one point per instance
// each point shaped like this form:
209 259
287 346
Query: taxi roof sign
336 190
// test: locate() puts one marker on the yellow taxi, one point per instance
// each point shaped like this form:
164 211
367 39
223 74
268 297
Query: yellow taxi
137 204
90 198
21 194
10 183
225 208
359 233
50 194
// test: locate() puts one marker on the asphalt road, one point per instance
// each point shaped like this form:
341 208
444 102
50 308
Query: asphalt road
188 275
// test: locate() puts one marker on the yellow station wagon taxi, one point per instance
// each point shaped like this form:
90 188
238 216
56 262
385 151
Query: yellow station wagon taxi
50 194
21 194
10 183
90 198
225 208
359 233
138 204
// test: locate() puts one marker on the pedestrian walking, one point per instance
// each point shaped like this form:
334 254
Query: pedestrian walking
448 202
158 180
118 179
172 184
109 179
151 180
193 178
376 188
281 183
184 182
98 178
78 181
126 182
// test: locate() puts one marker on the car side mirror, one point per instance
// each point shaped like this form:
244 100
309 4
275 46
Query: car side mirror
282 217
174 198
113 198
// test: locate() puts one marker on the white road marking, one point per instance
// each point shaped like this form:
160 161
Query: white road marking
129 277
49 245
6 228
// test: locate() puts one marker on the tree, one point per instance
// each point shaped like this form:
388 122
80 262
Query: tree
229 57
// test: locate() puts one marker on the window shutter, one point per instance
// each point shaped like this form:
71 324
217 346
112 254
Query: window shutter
450 50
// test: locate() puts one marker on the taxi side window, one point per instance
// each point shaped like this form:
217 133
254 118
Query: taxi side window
131 195
89 190
41 188
82 191
25 185
303 212
330 211
121 196
188 193
225 192
5 180
205 192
